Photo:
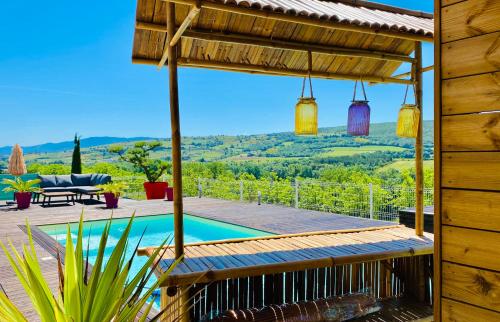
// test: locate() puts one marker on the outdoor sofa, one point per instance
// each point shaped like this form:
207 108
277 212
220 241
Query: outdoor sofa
79 184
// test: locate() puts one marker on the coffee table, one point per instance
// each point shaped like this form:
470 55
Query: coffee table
70 197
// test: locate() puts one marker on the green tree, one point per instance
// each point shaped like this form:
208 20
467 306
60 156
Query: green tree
76 161
139 156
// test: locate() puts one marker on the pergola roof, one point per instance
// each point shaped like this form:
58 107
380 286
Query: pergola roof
348 39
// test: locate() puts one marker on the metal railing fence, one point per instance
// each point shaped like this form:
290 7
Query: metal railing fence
359 200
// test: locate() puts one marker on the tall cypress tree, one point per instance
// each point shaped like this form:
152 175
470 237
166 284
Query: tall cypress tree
76 162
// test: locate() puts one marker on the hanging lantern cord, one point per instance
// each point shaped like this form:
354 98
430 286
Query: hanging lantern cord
406 92
363 87
309 69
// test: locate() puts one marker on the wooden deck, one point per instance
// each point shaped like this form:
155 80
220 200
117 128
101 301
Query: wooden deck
274 219
286 253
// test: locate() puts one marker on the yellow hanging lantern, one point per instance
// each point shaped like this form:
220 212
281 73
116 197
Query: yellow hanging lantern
408 119
306 113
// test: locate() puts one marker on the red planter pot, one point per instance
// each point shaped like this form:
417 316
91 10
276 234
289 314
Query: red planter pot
155 190
111 200
23 199
170 194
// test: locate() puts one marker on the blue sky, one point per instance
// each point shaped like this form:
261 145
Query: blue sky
65 67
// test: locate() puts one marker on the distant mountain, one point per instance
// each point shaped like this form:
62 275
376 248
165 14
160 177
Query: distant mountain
68 145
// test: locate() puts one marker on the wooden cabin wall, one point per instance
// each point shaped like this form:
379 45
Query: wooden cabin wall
467 162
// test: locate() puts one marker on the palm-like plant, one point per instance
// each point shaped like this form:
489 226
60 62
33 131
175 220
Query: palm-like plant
102 293
19 185
116 188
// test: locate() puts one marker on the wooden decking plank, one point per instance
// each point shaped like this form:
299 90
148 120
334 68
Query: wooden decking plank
207 260
343 246
324 249
262 256
357 245
248 260
285 253
225 258
310 248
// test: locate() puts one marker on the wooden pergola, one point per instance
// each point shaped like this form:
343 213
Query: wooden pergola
342 39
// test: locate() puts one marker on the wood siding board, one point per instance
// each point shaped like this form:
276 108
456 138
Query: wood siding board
459 60
471 94
471 247
474 209
449 2
461 312
471 132
472 285
471 170
470 18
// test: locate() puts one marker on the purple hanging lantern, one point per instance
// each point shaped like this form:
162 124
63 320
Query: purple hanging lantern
358 121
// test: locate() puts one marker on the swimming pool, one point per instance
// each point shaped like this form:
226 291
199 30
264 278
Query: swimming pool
158 227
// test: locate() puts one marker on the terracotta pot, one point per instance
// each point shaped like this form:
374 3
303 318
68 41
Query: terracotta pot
155 190
111 200
23 199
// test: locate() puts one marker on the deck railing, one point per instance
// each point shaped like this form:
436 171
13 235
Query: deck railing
359 200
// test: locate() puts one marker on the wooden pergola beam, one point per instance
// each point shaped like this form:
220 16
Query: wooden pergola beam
303 20
185 24
266 70
278 44
195 10
403 75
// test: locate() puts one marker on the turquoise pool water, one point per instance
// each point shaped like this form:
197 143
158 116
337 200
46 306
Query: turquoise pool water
157 228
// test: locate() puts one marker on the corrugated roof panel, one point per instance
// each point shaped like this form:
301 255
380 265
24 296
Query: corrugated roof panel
345 13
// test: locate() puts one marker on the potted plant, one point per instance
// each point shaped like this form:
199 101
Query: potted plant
22 190
112 192
139 156
105 292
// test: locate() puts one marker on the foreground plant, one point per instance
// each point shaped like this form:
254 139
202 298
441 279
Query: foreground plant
102 293
19 185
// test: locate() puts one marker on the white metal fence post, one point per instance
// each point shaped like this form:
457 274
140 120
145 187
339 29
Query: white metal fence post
370 185
200 192
259 197
241 190
296 193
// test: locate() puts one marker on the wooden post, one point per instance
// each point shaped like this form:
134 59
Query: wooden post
176 155
176 133
419 163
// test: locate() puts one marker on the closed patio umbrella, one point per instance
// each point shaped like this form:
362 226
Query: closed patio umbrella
17 167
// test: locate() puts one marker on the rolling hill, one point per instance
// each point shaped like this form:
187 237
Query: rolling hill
331 144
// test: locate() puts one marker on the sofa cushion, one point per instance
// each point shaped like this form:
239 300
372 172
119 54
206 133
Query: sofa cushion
98 178
47 181
80 179
56 189
64 181
84 189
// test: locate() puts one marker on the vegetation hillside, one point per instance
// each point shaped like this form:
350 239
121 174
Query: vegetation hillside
282 155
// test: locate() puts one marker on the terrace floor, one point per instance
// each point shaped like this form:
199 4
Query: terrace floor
270 218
